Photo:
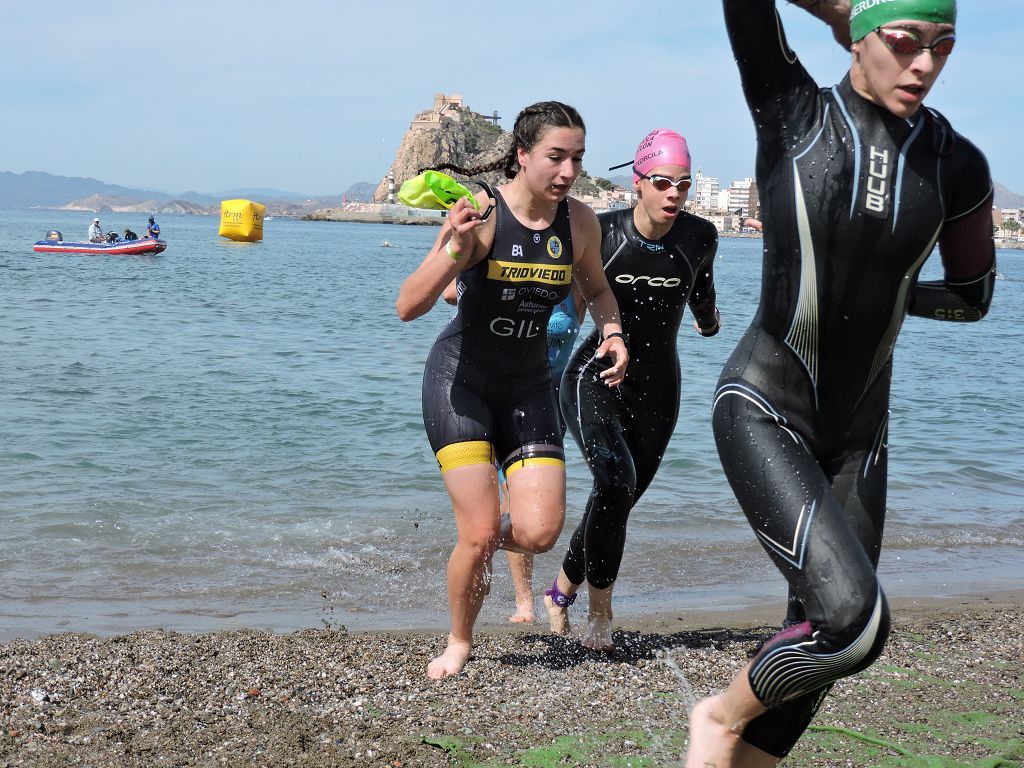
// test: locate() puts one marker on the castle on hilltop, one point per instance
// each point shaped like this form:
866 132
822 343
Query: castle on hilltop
447 108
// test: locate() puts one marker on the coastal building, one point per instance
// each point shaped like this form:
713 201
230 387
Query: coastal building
1007 223
725 221
446 107
609 199
743 196
704 194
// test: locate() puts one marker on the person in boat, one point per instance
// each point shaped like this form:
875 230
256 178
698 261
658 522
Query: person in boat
658 259
487 393
96 232
153 230
858 183
129 235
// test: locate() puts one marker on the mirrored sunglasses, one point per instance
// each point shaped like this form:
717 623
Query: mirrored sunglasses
905 42
662 183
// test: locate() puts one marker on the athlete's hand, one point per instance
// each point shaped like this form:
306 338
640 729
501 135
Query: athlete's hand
713 329
616 347
463 221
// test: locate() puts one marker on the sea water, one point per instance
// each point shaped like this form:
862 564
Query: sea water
229 434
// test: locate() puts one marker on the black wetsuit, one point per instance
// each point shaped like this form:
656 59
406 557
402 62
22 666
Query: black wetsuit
487 391
622 431
853 200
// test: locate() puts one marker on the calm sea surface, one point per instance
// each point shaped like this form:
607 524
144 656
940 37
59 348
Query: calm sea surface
229 435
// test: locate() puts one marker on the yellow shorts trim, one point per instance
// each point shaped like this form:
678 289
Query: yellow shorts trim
464 454
535 461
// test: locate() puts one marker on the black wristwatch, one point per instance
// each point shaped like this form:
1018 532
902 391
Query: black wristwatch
621 335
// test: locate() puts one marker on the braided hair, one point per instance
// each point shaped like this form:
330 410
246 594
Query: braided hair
529 125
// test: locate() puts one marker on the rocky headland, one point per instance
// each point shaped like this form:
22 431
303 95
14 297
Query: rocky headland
452 132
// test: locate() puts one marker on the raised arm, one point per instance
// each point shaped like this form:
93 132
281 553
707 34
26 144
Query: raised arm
458 246
781 95
835 13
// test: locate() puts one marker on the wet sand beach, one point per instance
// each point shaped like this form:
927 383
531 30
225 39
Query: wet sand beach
948 691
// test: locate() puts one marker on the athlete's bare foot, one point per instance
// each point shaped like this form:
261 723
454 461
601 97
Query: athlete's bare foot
451 662
558 618
712 742
598 636
524 610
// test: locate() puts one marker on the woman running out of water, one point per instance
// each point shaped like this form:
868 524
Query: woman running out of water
658 258
859 182
563 328
487 392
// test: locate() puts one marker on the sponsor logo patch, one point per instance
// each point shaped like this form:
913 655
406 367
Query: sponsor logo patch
554 247
513 272
519 329
654 282
876 191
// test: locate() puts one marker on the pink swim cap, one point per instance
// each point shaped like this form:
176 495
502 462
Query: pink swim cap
660 147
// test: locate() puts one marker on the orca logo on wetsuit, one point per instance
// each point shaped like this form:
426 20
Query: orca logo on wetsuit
654 282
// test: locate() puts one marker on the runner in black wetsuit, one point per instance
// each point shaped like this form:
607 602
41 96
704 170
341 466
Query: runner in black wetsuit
858 183
487 386
657 258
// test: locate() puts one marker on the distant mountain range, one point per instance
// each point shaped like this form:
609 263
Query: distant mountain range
36 189
1004 198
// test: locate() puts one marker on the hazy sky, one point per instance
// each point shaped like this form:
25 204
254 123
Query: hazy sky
312 96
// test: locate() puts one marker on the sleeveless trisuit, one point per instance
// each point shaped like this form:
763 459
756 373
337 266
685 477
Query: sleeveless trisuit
487 394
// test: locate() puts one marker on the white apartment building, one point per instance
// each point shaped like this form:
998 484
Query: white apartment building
743 194
704 193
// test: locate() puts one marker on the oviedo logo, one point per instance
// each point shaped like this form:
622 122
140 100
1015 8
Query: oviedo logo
654 282
554 247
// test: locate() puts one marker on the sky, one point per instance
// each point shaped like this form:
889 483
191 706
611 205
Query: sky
312 96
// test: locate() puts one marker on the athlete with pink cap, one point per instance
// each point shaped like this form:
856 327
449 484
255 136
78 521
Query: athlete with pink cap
660 147
658 258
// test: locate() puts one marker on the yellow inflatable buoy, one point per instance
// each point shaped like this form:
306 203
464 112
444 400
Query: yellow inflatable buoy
241 220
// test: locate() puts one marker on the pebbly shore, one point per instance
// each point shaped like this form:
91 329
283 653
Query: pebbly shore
948 691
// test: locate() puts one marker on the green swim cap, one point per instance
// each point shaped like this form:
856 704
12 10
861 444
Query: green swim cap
866 15
435 191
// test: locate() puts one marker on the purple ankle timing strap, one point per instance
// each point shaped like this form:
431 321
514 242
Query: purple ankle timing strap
558 597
